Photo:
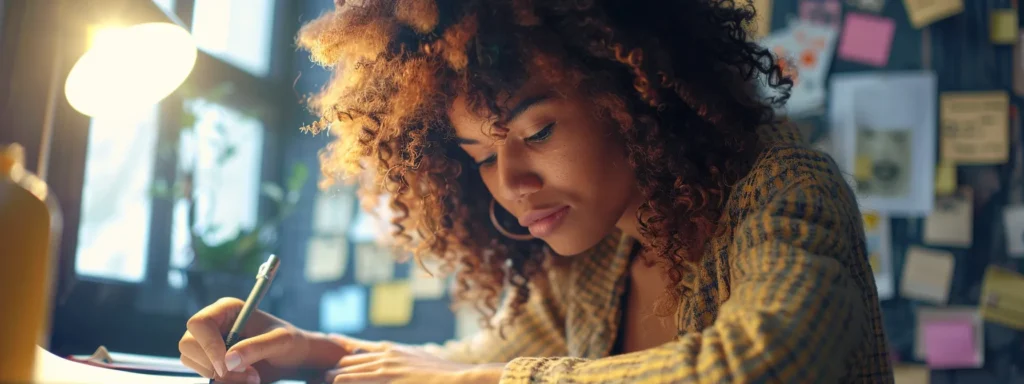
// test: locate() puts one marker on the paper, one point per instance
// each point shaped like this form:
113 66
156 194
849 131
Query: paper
374 263
326 259
391 304
879 248
911 374
927 274
52 369
333 212
951 222
1002 297
866 39
959 314
868 5
1013 224
924 12
1003 27
945 178
821 12
343 310
950 344
890 118
975 127
804 51
425 286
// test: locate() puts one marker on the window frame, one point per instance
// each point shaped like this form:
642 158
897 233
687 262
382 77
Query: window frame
90 311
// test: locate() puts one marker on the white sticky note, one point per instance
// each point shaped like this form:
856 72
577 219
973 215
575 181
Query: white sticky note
425 286
1013 222
326 259
373 264
333 212
927 274
343 310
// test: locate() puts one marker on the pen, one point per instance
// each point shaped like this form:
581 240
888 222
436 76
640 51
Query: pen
264 277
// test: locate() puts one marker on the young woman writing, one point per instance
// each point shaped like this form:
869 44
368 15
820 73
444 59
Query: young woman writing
615 167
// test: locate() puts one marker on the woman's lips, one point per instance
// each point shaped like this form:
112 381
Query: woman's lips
544 222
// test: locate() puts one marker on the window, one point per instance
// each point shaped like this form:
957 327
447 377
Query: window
236 31
114 229
224 153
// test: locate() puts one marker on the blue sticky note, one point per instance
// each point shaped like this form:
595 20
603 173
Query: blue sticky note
343 310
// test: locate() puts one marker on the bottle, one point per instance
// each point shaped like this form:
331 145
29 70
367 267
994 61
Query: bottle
30 224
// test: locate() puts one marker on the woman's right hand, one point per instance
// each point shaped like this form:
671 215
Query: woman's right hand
269 348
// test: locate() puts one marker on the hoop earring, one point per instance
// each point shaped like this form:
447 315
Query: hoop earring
505 232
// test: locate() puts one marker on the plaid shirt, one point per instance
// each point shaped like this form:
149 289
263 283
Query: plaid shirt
786 295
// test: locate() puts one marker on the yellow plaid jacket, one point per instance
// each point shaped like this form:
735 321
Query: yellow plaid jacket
786 295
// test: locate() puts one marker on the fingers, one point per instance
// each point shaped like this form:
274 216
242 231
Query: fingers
277 342
246 376
359 378
362 358
206 328
204 370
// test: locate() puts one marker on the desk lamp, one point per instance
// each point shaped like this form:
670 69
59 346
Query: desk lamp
132 63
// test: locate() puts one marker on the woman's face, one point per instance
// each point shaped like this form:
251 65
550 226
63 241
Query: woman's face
561 171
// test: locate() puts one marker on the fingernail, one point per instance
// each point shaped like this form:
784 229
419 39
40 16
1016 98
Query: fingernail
233 360
253 378
219 368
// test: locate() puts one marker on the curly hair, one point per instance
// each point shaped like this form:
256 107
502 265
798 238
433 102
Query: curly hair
680 80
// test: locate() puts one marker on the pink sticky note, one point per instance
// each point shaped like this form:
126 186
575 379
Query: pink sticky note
950 344
866 39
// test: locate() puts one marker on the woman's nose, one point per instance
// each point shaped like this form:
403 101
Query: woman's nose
517 179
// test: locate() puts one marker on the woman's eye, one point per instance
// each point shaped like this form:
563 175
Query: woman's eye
490 159
543 134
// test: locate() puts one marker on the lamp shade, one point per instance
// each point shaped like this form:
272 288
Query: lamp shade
130 68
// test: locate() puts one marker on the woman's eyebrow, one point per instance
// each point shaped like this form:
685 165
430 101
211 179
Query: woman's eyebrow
524 105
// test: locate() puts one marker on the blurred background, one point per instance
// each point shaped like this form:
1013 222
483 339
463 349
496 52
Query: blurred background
170 206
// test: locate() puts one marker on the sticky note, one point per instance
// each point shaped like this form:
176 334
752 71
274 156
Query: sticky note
975 127
951 222
1018 67
956 314
945 178
1002 26
950 344
1013 224
1002 297
374 263
425 286
924 12
911 374
391 304
343 310
326 258
927 274
866 39
763 22
333 212
864 167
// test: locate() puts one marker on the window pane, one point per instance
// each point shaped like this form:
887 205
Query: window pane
166 5
226 187
236 31
114 232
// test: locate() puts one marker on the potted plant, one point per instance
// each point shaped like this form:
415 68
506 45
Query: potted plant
226 266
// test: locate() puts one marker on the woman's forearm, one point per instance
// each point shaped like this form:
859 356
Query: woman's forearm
483 374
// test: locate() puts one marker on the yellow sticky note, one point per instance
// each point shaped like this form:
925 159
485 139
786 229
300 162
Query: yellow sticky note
945 178
1002 297
1002 26
911 374
864 167
924 12
927 274
871 221
875 261
391 304
951 221
975 127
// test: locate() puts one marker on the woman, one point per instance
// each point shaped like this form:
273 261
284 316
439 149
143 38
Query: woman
615 167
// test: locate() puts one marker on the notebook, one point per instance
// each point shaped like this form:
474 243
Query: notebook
51 368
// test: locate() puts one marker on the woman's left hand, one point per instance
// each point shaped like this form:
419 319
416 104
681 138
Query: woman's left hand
389 363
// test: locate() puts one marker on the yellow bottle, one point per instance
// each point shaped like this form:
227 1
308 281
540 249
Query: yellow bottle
30 224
